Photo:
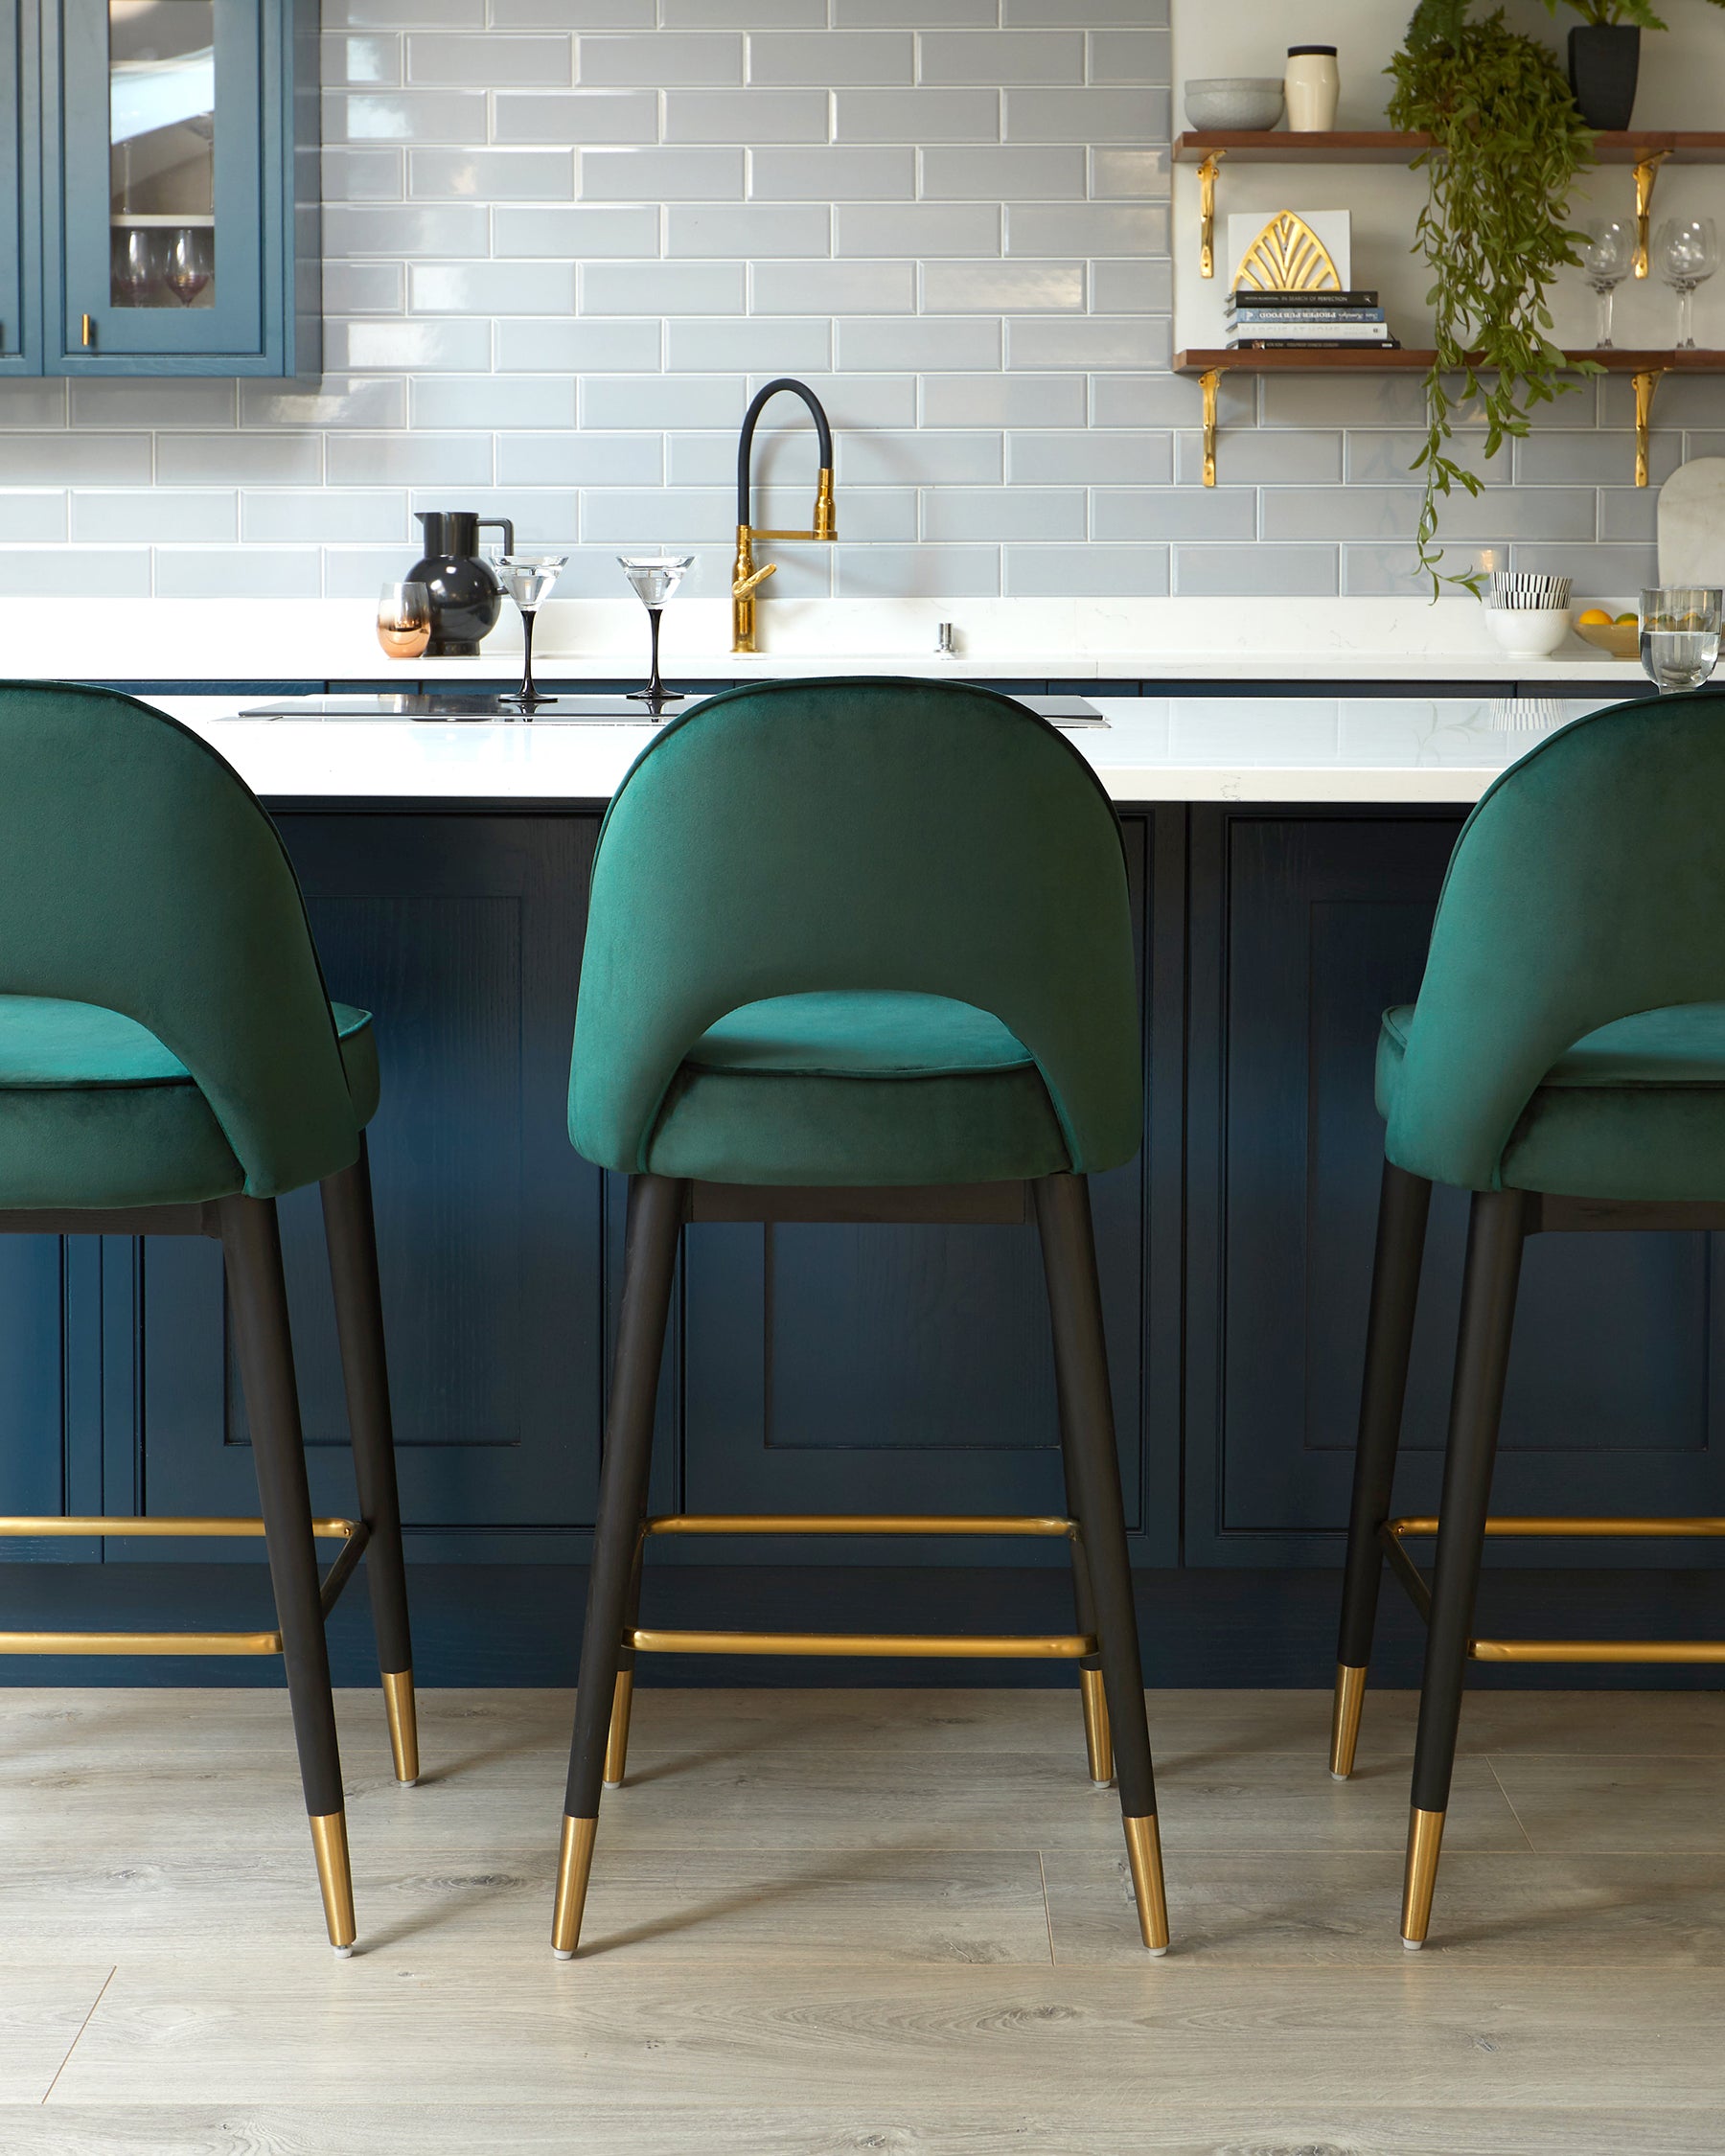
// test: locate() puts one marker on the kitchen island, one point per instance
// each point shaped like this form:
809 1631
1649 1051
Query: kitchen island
1285 860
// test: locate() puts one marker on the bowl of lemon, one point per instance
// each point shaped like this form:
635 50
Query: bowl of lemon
1620 634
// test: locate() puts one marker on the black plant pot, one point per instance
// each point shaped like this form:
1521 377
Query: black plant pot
1604 59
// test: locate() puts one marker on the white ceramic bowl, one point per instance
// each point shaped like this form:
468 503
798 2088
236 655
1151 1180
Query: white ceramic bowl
1528 631
1234 101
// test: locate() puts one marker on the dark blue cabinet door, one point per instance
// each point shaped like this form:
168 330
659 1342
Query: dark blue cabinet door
463 934
180 175
20 205
1304 928
905 1370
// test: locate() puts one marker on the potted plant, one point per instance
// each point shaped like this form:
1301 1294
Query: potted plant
1507 146
1605 56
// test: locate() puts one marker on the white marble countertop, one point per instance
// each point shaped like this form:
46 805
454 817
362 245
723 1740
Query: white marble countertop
1142 640
1366 749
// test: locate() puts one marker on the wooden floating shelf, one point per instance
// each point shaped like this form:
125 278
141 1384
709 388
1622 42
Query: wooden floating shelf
1372 359
1385 146
1643 367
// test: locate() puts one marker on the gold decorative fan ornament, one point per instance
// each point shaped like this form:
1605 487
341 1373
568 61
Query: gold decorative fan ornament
1287 256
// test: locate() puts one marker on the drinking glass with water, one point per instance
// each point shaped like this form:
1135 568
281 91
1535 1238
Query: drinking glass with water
1680 634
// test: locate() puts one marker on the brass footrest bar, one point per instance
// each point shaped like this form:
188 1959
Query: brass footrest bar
855 1524
355 1534
1541 1526
985 1647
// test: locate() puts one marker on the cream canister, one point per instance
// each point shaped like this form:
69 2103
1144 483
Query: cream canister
1313 87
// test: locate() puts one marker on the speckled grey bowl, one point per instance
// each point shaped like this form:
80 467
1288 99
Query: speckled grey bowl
1234 101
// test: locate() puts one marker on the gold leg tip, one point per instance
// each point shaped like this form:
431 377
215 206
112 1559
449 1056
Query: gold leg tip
334 1879
574 1863
1345 1719
404 1725
1143 1857
1425 1842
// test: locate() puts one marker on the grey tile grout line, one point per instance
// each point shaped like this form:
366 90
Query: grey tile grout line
113 1972
1491 1764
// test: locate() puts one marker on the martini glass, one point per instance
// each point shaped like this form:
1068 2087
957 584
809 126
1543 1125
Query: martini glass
654 578
528 580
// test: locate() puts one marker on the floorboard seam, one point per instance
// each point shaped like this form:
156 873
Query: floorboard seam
1042 1872
81 2026
1533 1846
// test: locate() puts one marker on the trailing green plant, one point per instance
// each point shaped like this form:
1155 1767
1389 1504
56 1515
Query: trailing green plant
1507 146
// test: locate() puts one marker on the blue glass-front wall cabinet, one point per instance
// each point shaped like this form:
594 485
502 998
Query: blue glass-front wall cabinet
119 135
20 207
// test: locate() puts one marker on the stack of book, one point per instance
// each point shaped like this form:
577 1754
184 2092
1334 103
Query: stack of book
1258 321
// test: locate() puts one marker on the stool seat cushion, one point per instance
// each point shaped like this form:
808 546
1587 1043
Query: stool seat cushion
861 1087
95 1111
1635 1109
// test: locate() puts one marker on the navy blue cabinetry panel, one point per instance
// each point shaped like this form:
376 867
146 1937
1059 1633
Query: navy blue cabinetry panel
20 200
1304 927
260 313
463 934
909 1369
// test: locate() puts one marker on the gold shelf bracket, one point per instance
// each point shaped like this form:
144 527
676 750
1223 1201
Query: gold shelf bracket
1208 381
1646 381
1206 213
1646 172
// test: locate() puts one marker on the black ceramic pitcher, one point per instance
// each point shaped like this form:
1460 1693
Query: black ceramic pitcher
466 597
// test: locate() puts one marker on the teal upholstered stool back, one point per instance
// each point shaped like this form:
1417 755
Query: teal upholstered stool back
1588 885
137 872
858 834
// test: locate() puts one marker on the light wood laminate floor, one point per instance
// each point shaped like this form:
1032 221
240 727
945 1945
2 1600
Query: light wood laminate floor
832 1921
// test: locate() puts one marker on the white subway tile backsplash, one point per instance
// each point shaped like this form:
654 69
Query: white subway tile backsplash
532 346
825 60
664 287
749 231
745 116
916 115
886 174
576 234
575 116
1003 175
1087 116
988 287
492 175
1002 58
785 346
488 63
918 230
566 240
660 63
492 287
1000 401
833 287
919 345
662 176
59 460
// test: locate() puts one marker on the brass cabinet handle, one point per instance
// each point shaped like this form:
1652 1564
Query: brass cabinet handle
89 332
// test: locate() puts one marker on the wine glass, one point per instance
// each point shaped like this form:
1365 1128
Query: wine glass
190 261
133 266
403 619
1607 259
1680 634
1687 249
654 578
529 579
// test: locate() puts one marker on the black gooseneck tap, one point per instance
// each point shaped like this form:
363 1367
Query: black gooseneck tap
745 576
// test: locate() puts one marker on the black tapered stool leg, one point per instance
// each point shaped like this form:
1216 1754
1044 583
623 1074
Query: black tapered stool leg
1404 1203
655 1212
1099 1740
351 1234
258 1304
1092 1467
1496 1231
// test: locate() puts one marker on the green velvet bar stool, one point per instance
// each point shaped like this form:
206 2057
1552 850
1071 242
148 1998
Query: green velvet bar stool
170 1063
1565 1063
860 951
